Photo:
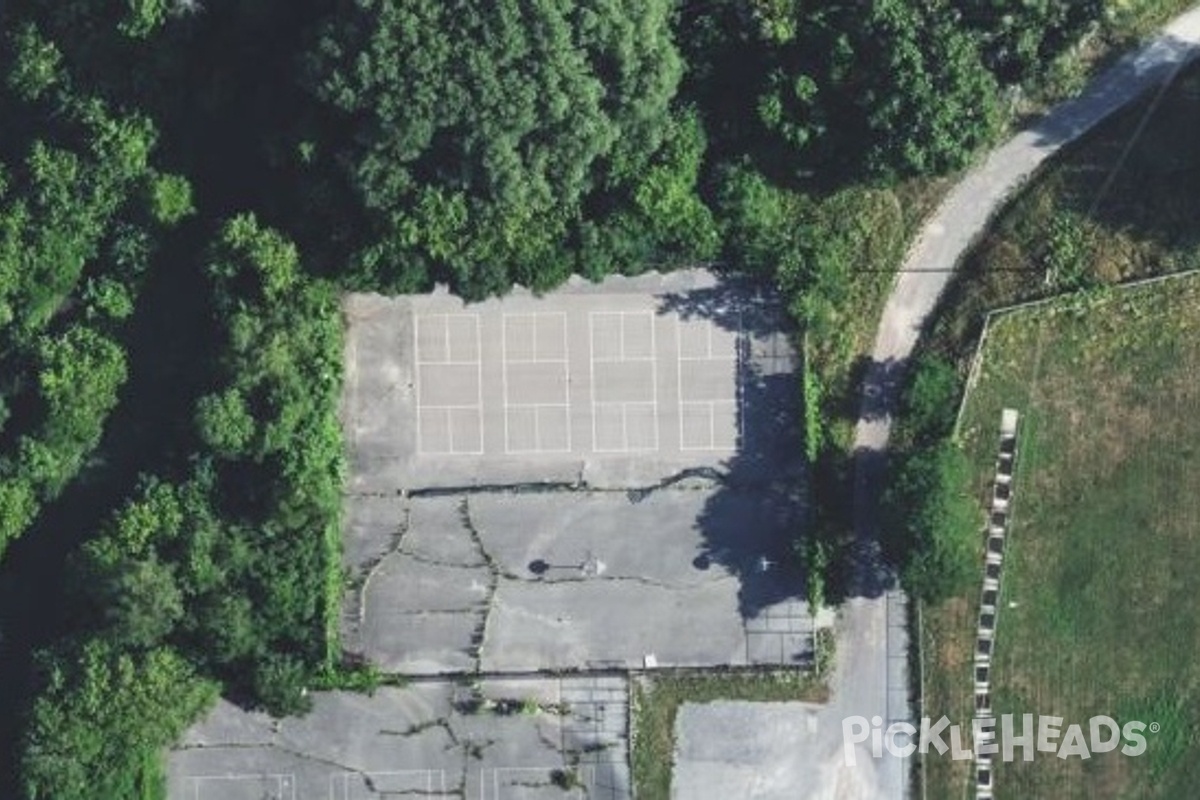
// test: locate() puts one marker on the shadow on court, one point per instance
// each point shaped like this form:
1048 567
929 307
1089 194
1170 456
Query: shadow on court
766 472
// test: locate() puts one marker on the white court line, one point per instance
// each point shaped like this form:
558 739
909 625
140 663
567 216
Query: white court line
506 362
623 405
709 355
417 379
346 777
654 379
446 328
621 316
567 371
504 373
679 375
448 360
712 425
652 358
711 405
592 374
285 782
479 380
741 347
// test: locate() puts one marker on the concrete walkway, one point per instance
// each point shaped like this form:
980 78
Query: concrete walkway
871 677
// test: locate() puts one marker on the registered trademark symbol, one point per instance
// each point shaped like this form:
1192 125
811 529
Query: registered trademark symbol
1155 727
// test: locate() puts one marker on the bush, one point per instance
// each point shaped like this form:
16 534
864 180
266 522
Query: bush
933 522
281 685
931 400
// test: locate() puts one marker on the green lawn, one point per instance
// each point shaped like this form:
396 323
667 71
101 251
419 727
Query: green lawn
1115 207
1104 553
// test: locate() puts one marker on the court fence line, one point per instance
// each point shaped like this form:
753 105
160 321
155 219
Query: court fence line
976 363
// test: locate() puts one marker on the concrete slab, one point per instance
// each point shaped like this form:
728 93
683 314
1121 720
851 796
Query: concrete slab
616 384
424 740
696 574
755 751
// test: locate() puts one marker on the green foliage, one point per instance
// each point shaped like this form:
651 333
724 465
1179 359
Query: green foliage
1020 40
143 17
932 102
225 423
142 603
281 684
103 717
760 219
814 426
108 299
37 63
18 506
170 198
876 89
276 488
1067 256
815 556
78 377
935 522
666 195
930 402
486 126
79 374
256 264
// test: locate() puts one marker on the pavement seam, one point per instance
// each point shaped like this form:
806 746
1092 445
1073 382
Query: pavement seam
479 635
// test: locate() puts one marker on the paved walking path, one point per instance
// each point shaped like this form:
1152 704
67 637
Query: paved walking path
871 678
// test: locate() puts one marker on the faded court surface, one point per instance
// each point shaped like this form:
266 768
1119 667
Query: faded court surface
508 740
607 476
616 384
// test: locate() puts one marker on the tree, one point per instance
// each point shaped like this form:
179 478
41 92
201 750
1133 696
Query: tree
142 603
932 101
103 716
225 423
18 506
1019 40
170 198
78 378
483 126
144 17
37 63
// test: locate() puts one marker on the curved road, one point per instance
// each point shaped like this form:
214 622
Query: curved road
871 677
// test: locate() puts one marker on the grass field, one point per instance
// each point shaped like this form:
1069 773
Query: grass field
655 702
1117 206
1103 562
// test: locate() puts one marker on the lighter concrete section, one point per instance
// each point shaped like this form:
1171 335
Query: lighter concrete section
871 651
758 751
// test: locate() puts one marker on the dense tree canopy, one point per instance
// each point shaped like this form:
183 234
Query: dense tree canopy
482 127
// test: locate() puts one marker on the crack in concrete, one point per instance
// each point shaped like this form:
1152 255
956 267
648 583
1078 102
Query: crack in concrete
372 567
479 635
437 562
422 612
709 475
640 579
